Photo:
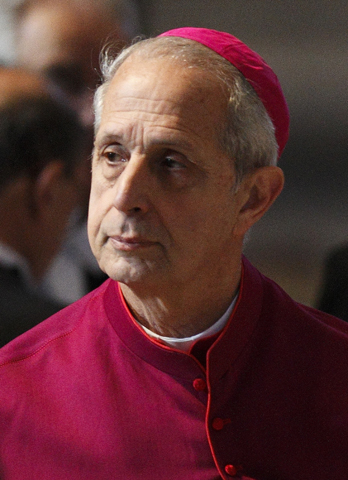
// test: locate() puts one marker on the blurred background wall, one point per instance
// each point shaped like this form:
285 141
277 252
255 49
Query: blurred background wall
306 44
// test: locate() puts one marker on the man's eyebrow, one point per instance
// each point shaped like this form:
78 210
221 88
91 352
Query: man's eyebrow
108 137
171 143
176 139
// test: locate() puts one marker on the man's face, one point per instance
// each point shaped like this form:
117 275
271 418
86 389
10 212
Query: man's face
162 207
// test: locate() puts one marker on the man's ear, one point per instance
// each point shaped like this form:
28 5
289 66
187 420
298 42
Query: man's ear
257 192
47 186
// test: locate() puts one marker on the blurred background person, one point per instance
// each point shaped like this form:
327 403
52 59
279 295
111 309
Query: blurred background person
62 39
41 145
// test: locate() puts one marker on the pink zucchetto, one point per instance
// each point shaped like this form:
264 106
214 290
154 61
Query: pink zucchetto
256 71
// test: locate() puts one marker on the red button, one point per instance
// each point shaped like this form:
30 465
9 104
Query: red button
231 470
199 384
219 423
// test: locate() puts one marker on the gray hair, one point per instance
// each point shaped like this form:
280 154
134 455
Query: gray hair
248 136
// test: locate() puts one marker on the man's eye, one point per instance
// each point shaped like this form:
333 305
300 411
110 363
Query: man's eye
113 157
172 164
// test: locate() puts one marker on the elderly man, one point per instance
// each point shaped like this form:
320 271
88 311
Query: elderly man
187 363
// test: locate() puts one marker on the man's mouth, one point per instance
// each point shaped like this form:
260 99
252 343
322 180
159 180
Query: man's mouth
128 244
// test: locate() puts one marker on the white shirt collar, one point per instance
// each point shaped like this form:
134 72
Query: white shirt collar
184 344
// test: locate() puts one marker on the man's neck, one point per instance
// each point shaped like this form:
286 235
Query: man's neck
185 312
185 344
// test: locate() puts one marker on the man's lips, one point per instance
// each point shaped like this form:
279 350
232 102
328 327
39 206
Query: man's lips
130 243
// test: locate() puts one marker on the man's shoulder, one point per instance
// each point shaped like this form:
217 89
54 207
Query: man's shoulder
62 325
20 308
277 308
282 305
295 344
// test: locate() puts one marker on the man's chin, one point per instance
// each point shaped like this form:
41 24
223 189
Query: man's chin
129 271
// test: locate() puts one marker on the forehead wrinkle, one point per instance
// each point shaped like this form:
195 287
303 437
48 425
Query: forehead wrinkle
179 109
148 120
110 135
132 103
174 98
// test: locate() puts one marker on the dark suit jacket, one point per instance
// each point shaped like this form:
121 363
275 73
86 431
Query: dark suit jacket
333 296
20 309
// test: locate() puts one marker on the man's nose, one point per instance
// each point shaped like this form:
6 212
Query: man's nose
133 186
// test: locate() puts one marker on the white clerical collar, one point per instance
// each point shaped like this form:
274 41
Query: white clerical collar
184 344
